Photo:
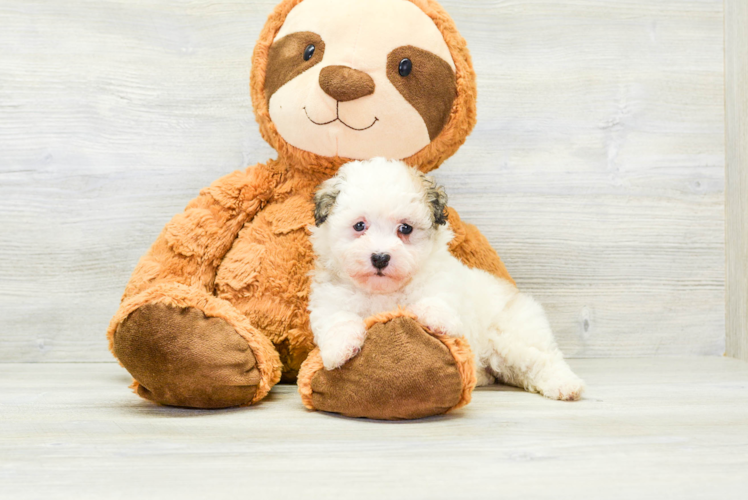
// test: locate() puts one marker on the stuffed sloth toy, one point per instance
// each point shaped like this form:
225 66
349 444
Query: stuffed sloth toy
215 313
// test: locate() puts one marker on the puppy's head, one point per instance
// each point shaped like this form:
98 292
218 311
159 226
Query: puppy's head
376 222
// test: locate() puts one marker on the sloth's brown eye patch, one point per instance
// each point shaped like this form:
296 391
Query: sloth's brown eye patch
428 84
289 57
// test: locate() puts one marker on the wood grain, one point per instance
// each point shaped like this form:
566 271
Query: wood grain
596 169
656 428
736 178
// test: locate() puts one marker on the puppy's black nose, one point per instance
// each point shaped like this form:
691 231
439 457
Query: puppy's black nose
380 260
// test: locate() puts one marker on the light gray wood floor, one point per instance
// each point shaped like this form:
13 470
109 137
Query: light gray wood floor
648 428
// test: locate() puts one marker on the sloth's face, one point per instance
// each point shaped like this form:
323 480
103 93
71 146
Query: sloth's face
359 79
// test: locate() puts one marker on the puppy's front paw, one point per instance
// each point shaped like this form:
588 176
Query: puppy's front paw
343 343
338 357
562 384
438 317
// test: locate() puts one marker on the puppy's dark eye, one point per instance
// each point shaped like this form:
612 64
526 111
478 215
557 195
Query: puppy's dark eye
308 52
405 67
359 226
405 229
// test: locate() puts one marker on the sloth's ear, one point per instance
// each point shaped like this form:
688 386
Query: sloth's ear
324 200
436 198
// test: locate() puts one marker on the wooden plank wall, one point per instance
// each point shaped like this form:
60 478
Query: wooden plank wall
736 180
596 170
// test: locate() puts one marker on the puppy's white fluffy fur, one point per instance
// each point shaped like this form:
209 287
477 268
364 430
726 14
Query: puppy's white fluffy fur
507 330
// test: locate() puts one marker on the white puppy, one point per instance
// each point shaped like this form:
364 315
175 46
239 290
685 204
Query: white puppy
382 243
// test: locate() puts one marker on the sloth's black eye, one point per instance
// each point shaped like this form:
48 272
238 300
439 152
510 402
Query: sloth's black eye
405 67
359 226
308 52
405 229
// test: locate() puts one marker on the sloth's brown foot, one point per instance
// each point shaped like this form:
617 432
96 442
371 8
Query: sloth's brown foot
402 372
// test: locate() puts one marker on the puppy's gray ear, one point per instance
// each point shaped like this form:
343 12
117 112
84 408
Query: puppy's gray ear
324 200
436 197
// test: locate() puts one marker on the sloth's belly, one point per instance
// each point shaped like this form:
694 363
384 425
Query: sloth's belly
265 275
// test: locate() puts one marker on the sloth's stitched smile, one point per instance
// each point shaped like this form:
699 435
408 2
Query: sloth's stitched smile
337 119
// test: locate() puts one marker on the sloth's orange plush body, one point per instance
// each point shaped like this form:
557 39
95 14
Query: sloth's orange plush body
215 313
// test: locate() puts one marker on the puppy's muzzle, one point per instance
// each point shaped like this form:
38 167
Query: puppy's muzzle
380 260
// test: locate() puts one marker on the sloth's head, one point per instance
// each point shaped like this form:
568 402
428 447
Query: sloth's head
335 80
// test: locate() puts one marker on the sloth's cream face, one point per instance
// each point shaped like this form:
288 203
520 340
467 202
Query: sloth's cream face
359 79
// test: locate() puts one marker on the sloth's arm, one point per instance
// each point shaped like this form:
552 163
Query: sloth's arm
473 249
191 246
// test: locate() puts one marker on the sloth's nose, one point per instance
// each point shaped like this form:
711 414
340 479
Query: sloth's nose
380 260
345 84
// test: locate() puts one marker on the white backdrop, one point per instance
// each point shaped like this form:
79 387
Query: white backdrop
596 168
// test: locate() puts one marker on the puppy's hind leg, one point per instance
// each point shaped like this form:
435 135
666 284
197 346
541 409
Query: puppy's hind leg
483 376
524 352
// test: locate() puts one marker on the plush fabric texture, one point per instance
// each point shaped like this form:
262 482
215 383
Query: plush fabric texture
431 90
206 363
283 62
461 118
238 259
458 347
473 249
402 372
377 389
134 341
358 35
345 84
